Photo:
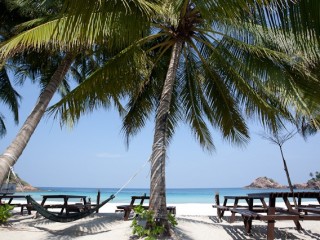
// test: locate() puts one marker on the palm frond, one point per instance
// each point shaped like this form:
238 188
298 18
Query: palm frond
114 25
299 17
8 95
139 108
227 116
106 84
3 129
191 101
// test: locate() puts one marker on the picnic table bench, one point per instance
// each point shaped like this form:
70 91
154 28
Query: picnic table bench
310 209
274 213
128 208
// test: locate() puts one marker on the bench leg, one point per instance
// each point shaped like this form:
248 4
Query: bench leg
219 213
270 230
247 224
233 214
233 217
29 210
126 214
298 225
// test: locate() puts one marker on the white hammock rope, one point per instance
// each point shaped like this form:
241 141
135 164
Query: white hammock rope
17 179
158 145
133 176
15 176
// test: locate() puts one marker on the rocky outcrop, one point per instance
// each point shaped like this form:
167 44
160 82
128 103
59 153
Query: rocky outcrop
311 184
314 184
264 182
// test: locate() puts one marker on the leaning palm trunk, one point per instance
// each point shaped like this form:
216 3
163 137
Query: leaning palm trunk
15 149
280 140
157 184
288 176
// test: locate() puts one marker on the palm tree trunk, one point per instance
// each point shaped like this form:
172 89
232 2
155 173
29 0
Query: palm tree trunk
15 149
288 176
158 158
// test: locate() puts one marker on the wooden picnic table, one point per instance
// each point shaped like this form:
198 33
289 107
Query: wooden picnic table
231 202
66 205
10 200
274 213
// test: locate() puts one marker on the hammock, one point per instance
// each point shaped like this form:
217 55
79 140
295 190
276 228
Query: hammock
58 217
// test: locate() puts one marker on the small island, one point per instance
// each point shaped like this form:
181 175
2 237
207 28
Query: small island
265 183
268 183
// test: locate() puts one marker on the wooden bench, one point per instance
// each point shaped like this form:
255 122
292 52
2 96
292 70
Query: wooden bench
248 215
128 208
307 210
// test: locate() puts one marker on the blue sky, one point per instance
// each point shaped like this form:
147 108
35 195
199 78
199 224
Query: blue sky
93 154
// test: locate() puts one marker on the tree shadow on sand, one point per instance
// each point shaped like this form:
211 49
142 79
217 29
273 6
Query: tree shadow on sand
237 232
96 224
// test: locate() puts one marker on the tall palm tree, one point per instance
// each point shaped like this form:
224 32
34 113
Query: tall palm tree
210 65
217 73
15 149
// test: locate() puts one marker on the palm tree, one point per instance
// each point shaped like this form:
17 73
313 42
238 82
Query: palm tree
207 68
15 149
207 77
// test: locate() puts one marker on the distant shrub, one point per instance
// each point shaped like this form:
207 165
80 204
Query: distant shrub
315 176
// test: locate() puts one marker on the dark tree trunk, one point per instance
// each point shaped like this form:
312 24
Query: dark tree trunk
19 143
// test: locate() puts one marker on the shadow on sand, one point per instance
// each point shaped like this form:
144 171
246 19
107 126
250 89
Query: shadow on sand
89 226
259 231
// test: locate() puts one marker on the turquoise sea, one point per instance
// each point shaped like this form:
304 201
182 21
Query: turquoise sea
174 195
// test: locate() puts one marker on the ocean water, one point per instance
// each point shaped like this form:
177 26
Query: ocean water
174 195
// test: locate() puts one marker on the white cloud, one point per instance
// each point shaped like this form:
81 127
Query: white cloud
108 155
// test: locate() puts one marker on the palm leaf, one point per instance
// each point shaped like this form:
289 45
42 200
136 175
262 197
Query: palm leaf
8 95
106 84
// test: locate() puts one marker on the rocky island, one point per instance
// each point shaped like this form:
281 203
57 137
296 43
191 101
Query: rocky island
266 183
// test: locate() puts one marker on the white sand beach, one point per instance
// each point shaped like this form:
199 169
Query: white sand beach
195 222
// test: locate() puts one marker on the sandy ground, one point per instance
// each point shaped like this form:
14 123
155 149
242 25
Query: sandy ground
195 222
